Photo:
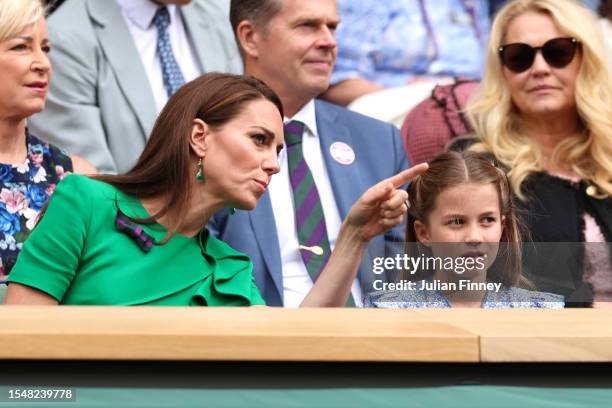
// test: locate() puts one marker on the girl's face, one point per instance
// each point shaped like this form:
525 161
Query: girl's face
465 222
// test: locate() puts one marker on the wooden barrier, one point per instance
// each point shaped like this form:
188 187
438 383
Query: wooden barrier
306 335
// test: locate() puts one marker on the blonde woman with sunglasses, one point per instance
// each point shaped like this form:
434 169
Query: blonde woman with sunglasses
544 110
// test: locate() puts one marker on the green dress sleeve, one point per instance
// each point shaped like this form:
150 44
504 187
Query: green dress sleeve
50 256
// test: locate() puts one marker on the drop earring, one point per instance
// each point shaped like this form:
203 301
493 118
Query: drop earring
200 173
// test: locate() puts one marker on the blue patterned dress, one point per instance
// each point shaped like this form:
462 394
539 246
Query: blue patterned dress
506 298
24 190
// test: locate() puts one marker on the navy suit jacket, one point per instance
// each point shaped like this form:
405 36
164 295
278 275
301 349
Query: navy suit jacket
378 154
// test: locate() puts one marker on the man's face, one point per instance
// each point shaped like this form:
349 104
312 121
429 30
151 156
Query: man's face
296 50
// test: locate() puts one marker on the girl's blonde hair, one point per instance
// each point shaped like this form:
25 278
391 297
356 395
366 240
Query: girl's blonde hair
497 122
17 14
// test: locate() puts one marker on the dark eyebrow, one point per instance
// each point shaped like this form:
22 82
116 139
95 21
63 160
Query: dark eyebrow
267 131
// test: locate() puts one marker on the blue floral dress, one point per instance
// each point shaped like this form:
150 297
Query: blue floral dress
24 190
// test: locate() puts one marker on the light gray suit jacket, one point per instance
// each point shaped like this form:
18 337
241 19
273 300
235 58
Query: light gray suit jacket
100 104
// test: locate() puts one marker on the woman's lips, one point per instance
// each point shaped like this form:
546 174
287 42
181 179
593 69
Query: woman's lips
38 86
262 184
542 88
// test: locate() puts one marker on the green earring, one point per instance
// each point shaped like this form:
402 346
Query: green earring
232 210
200 173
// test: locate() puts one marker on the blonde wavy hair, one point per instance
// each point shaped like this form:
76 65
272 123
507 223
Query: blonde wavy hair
15 15
497 122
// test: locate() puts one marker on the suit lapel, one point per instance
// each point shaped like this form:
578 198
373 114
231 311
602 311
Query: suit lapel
198 30
264 226
345 179
209 47
116 42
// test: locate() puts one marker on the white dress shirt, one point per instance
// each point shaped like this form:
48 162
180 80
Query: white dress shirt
296 280
138 15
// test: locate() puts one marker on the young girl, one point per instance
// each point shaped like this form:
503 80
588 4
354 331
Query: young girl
463 237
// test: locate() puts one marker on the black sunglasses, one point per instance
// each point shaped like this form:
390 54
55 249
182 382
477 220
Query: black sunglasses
519 57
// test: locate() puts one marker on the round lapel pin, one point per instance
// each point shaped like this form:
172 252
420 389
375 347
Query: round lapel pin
342 153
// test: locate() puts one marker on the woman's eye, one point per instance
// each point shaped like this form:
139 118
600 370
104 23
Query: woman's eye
19 47
46 49
259 139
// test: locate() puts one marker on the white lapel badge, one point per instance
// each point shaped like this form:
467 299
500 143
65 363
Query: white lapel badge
342 153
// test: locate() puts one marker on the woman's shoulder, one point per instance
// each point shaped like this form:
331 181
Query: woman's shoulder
78 181
51 156
522 298
85 188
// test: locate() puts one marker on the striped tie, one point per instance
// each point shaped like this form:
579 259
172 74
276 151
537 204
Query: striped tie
309 218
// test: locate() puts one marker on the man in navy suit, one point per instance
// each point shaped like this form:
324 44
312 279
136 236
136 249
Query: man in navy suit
290 45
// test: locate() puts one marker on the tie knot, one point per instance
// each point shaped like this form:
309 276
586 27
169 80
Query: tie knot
161 20
293 132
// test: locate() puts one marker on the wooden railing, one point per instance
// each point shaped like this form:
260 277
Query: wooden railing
329 335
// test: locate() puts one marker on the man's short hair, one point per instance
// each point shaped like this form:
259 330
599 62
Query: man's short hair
260 12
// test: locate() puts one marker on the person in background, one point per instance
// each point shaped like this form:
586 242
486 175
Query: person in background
395 43
332 156
140 238
117 62
29 167
544 111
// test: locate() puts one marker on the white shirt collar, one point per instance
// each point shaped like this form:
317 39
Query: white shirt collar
307 116
141 12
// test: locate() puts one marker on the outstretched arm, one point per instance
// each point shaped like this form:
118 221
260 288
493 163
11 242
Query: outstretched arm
380 208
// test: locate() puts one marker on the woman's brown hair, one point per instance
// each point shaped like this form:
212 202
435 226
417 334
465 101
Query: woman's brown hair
165 167
451 169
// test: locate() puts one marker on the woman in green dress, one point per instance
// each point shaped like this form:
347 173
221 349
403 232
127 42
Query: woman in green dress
140 238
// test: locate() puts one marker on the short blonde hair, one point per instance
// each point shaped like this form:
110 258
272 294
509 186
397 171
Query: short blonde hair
498 123
15 15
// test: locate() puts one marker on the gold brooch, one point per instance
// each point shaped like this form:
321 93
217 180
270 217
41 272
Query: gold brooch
317 250
591 191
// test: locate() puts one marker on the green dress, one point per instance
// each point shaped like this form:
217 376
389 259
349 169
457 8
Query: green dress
78 255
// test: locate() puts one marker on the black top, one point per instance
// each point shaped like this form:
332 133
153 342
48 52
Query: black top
553 213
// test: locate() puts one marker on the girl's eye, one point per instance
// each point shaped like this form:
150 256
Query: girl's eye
488 220
46 49
19 47
455 221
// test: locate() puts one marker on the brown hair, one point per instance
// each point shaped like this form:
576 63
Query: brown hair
166 164
451 169
259 12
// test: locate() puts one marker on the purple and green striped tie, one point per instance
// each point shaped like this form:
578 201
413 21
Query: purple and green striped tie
309 218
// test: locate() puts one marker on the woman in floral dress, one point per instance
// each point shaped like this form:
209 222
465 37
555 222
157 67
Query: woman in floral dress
29 168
